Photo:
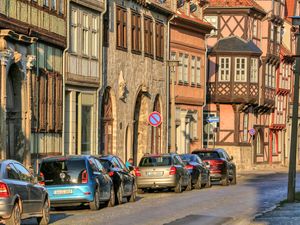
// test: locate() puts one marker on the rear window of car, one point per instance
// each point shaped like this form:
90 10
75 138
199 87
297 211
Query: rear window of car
208 155
63 171
105 163
188 158
156 161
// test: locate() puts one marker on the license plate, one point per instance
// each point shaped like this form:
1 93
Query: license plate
155 173
63 192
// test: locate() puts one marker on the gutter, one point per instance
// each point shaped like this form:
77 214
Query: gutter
101 74
64 75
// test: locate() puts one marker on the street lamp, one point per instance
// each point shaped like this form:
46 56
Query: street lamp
294 133
173 64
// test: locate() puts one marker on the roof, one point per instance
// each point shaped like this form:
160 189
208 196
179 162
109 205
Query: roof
235 44
194 20
235 4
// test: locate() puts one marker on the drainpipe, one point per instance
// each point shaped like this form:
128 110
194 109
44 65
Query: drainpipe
64 75
101 74
168 82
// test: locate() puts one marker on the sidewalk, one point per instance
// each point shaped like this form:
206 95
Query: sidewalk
287 214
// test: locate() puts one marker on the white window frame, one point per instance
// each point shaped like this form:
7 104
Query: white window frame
240 73
224 71
185 68
85 33
245 127
94 36
193 70
74 30
254 70
255 28
180 67
273 84
198 70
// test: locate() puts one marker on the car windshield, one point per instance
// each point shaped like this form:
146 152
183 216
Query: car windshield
105 163
208 155
156 161
63 171
188 158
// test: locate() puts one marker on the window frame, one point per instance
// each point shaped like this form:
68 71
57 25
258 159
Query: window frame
148 37
240 69
253 70
121 28
159 44
224 69
136 37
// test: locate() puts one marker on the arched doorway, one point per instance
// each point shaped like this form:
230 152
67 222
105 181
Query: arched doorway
107 123
156 131
140 132
15 131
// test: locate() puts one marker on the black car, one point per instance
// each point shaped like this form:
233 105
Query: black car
222 167
124 181
198 170
21 196
77 180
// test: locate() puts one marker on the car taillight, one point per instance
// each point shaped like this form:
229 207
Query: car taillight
189 167
84 177
42 182
111 173
172 170
4 191
137 172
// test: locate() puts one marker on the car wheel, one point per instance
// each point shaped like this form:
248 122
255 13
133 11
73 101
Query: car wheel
208 183
95 204
132 197
44 220
112 199
233 181
178 188
119 195
15 218
225 180
189 187
198 184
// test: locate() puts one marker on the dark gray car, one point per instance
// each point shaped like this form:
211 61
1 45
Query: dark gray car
20 195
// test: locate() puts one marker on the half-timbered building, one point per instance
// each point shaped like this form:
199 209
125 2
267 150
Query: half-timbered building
135 75
31 90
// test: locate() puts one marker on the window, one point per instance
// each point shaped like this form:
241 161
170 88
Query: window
12 173
85 34
185 68
86 136
136 32
148 35
245 130
23 172
198 71
94 37
272 32
51 102
180 67
278 39
213 20
159 40
274 152
61 6
74 31
53 4
254 70
240 69
273 84
193 71
46 3
224 69
255 28
270 75
121 28
42 101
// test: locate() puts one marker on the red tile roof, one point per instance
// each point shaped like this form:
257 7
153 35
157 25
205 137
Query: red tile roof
194 19
235 4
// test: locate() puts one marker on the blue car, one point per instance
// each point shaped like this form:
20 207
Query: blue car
77 180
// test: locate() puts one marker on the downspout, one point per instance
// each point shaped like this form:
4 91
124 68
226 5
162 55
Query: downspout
168 83
101 74
64 75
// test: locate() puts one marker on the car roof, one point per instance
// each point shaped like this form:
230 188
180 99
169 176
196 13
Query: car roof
159 155
53 158
208 150
106 156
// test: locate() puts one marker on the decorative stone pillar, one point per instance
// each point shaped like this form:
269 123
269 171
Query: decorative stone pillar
28 113
4 58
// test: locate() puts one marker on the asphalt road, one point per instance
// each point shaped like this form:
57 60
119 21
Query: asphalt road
212 206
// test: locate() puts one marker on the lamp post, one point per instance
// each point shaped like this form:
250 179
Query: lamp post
172 64
294 133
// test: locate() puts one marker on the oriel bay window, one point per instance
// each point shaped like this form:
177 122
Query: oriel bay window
240 69
121 28
159 40
136 32
253 70
224 68
148 36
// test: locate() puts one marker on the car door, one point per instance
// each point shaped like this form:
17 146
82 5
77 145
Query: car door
129 178
182 171
124 177
229 163
204 171
106 178
35 193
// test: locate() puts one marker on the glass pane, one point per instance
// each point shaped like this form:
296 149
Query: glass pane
86 122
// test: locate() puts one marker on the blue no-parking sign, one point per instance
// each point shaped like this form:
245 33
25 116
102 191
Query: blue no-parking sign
155 119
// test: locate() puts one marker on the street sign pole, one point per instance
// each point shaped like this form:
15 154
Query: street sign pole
294 134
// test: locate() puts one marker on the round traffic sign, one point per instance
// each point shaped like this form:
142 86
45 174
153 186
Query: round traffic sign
252 131
155 119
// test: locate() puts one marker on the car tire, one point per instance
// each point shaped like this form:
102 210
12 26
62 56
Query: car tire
178 188
45 219
112 199
132 197
208 183
95 204
198 184
225 180
15 218
189 186
119 195
233 181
